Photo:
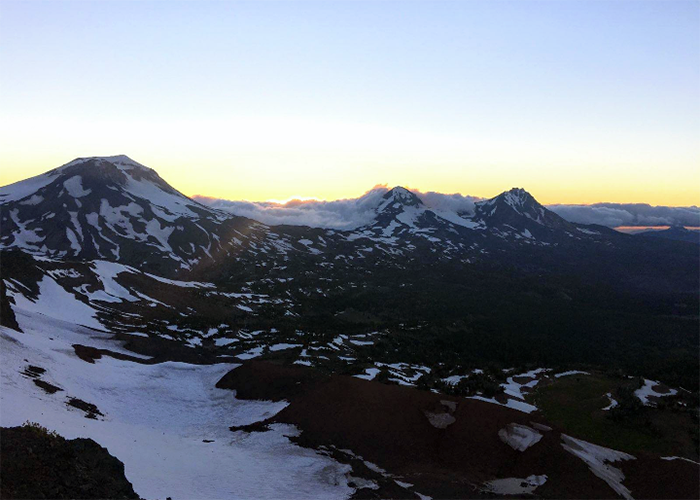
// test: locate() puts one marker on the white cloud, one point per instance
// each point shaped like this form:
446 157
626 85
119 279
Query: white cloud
628 214
355 212
337 214
457 203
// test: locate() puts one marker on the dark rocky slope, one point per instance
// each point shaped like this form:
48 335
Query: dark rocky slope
40 464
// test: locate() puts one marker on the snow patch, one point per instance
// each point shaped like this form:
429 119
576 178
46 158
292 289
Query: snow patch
648 390
55 302
598 458
519 437
515 485
74 186
570 372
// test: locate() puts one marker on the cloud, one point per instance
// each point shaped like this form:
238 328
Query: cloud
356 212
457 203
628 214
337 214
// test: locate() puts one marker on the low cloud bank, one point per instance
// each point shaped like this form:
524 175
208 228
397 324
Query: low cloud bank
356 212
628 214
337 214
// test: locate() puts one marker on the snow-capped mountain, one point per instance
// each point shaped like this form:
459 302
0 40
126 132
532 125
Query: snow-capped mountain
517 210
511 218
115 209
111 208
403 210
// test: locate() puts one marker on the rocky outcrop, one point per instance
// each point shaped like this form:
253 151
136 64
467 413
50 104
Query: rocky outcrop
37 463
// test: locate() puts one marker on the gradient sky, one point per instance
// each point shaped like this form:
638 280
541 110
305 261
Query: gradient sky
577 101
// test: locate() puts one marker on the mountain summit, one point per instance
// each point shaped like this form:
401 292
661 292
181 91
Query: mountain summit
518 209
399 196
108 208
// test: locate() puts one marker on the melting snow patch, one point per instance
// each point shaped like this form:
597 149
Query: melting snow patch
55 302
183 284
63 273
220 342
454 379
514 389
369 374
541 427
681 458
648 389
612 404
35 199
596 457
363 483
571 372
74 186
374 467
440 420
107 272
282 346
519 437
73 239
252 353
515 485
510 403
361 342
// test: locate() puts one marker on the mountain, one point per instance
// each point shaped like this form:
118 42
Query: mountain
517 210
116 209
676 233
512 218
414 259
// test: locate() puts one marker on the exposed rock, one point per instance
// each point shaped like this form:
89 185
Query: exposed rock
37 463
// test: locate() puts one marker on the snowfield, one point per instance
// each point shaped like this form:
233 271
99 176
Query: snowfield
155 419
55 302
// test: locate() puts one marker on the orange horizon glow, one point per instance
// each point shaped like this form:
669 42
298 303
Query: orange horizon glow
251 182
323 100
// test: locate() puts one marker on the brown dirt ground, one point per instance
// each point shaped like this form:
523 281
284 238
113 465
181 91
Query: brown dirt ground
386 425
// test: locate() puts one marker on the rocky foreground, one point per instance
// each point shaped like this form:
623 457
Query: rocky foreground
37 463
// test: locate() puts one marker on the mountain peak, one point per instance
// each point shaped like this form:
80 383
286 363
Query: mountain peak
399 195
517 206
518 197
122 162
399 205
99 207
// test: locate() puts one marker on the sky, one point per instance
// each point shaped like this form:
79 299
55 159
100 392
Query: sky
576 101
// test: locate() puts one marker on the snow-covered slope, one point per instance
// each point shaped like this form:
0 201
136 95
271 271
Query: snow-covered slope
166 422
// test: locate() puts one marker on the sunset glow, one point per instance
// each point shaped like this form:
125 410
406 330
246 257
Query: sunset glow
578 102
